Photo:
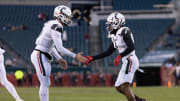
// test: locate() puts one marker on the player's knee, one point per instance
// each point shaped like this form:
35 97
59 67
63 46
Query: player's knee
127 92
45 83
119 89
124 88
4 82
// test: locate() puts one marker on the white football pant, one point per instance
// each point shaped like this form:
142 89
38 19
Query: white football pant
129 66
43 71
4 81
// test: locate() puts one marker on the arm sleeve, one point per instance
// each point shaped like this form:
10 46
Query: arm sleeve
126 33
56 36
56 54
106 53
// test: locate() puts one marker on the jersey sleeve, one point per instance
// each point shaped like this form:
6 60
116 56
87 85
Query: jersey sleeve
126 33
106 53
56 36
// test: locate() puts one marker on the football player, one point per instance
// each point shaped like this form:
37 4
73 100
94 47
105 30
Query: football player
123 41
50 43
3 79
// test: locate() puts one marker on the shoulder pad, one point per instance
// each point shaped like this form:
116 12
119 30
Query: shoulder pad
124 31
57 28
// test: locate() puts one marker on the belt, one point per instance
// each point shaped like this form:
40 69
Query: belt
46 54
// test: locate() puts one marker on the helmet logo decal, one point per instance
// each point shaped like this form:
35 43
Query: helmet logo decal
117 19
120 21
61 10
116 16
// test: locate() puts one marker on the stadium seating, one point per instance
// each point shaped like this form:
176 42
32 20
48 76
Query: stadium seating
170 43
143 35
24 41
137 4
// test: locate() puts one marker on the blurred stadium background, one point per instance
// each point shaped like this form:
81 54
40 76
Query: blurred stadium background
154 23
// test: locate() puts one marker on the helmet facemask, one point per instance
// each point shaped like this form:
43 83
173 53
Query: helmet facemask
67 20
109 27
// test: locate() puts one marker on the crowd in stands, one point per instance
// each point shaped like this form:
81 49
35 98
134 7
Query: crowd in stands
10 27
172 40
81 15
11 62
42 16
85 78
170 71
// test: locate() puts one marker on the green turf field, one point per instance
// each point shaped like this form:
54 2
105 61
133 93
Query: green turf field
94 94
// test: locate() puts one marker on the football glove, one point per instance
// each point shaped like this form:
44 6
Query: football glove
89 59
117 60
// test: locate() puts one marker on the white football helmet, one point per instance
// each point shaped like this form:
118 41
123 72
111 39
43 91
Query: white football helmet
115 20
63 13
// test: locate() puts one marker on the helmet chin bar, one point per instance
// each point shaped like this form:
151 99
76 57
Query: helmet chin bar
109 27
69 22
65 23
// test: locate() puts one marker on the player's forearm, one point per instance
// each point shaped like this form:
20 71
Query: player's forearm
56 54
59 45
61 49
102 55
67 52
108 52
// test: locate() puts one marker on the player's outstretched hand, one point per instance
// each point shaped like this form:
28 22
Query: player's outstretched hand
81 58
89 59
117 60
63 64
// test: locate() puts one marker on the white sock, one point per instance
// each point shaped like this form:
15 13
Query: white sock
10 88
44 93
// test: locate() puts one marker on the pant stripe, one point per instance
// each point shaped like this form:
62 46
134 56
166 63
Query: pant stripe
129 65
39 62
44 73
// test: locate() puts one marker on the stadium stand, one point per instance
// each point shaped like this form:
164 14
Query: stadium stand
143 34
143 23
137 4
171 42
23 41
